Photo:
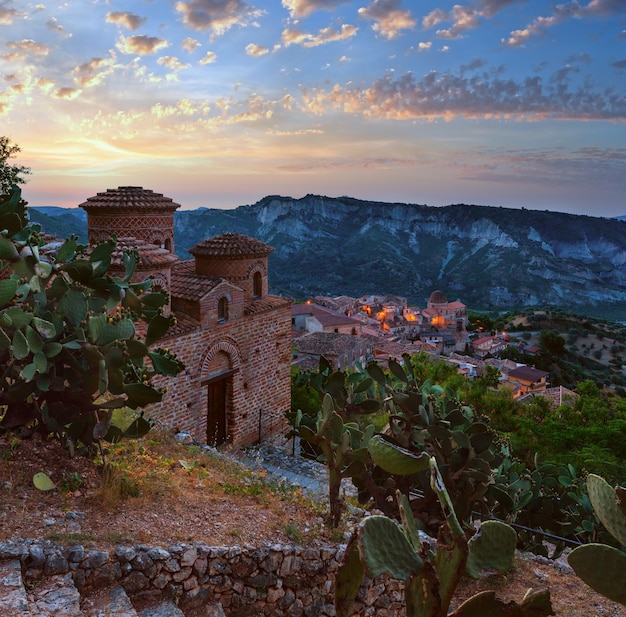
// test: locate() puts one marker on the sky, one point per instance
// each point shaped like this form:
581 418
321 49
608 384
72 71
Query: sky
218 103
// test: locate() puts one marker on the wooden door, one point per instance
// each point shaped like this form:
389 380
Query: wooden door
216 412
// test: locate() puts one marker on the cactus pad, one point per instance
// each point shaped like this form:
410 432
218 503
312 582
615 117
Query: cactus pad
485 604
385 549
603 568
395 459
604 501
493 546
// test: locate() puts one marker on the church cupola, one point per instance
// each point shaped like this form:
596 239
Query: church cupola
236 258
131 211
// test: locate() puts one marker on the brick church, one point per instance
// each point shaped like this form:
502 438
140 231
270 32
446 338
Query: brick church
233 336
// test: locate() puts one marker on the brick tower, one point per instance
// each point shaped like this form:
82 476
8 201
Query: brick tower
131 211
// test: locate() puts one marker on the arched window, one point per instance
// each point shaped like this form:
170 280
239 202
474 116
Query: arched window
257 285
222 309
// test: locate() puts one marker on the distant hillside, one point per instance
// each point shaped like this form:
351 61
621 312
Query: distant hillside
489 257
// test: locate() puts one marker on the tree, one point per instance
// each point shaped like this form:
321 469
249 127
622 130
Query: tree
10 174
552 343
70 348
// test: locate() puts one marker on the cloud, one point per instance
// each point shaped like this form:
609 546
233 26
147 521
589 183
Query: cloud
94 72
209 58
173 64
28 46
53 24
567 10
256 50
190 45
218 16
424 46
141 44
67 93
389 18
291 36
7 15
536 28
303 8
619 64
464 18
128 20
471 95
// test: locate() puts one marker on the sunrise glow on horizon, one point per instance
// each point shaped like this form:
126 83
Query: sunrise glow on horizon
512 103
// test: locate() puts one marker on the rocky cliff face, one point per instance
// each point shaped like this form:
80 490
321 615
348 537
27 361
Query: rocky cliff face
486 256
489 257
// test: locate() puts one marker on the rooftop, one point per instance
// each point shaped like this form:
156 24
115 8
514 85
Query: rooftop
130 197
527 373
325 316
229 245
328 343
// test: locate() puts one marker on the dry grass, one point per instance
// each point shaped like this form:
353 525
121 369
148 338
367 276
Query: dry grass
158 492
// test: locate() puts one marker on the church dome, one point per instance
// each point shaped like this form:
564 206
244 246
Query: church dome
231 246
131 211
437 298
130 197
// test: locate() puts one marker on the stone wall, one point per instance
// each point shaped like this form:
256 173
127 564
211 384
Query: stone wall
277 580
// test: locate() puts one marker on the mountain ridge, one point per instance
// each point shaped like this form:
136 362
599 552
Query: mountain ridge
489 256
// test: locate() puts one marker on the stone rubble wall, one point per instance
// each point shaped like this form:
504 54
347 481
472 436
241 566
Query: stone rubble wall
277 580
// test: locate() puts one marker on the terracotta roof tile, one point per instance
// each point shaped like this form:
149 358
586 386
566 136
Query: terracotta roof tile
188 285
326 316
130 197
229 245
149 254
527 373
184 325
267 303
331 343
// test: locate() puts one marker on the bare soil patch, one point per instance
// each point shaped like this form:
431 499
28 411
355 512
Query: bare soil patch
185 495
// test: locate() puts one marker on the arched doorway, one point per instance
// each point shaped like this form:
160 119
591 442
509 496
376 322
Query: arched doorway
219 368
219 391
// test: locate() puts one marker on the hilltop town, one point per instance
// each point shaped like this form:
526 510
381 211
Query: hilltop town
353 331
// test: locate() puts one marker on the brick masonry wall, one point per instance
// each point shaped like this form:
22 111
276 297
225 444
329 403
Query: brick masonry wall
238 271
259 351
154 227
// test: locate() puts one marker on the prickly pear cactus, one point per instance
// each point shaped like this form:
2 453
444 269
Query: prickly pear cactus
492 547
604 500
380 546
603 568
395 459
534 604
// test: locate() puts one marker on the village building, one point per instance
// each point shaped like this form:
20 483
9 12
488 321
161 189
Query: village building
311 317
557 396
488 346
343 351
527 380
233 336
443 314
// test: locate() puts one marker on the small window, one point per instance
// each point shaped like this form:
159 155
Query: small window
257 284
222 309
